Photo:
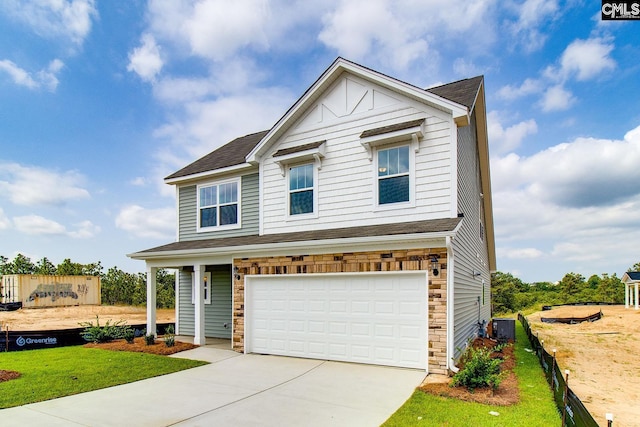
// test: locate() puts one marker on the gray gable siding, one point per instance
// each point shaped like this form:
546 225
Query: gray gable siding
470 251
189 213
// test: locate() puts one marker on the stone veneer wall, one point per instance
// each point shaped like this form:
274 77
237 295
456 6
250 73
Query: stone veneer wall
402 260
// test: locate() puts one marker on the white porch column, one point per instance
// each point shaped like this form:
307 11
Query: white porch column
151 300
637 294
198 277
626 295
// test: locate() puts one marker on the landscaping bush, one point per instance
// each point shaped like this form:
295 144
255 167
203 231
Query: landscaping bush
150 339
170 337
129 335
108 332
479 369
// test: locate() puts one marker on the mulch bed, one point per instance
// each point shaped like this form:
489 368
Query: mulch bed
139 345
507 392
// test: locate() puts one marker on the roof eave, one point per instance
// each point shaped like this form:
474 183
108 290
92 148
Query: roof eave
298 245
209 174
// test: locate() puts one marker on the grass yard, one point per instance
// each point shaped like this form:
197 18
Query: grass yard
51 373
536 406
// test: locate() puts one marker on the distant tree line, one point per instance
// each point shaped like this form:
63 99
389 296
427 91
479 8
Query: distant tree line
510 294
117 286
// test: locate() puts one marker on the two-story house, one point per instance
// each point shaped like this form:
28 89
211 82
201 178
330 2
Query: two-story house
358 228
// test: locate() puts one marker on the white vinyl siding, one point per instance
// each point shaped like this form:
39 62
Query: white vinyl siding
470 249
188 212
346 194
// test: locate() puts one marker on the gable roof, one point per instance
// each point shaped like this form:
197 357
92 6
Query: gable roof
632 276
230 154
463 92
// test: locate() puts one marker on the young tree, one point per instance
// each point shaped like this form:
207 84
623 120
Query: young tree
68 268
45 267
22 265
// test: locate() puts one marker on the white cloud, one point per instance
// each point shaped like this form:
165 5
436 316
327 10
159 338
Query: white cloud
520 253
45 78
84 230
587 59
556 98
70 20
209 124
364 28
578 202
139 181
37 225
148 223
17 74
531 14
145 60
5 222
33 186
528 87
213 29
505 139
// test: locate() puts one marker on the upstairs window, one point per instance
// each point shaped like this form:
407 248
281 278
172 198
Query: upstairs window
301 189
218 205
393 175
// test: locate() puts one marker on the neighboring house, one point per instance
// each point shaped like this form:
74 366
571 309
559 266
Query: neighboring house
358 228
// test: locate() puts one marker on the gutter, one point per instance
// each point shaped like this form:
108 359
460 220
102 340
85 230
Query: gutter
450 305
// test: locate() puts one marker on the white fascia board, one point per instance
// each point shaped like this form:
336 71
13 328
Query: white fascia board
401 241
209 174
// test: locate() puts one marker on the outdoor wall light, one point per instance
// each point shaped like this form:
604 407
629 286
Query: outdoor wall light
235 273
434 265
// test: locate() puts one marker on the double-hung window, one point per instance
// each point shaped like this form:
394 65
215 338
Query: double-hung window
218 205
301 189
393 175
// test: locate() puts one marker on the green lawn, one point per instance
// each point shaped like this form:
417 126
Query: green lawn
58 372
536 407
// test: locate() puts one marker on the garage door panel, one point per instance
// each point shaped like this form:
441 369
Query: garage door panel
379 319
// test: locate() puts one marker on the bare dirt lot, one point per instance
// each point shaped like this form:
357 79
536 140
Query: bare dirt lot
603 358
37 319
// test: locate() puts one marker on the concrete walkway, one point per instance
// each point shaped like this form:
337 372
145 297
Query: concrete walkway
236 390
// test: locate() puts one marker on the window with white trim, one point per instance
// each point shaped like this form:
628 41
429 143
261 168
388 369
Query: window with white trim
218 205
207 287
301 189
393 176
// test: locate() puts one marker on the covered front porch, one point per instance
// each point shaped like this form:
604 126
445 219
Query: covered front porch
203 299
631 280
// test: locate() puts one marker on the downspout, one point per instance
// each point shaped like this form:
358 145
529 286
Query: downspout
450 305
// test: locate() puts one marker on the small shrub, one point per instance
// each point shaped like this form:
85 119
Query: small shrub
479 370
150 339
108 332
170 338
129 335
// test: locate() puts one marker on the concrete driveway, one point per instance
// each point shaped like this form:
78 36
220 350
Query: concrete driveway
236 390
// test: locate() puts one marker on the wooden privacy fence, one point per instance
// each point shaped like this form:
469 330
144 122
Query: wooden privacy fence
573 411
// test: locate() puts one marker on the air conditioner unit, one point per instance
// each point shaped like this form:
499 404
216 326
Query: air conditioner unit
503 329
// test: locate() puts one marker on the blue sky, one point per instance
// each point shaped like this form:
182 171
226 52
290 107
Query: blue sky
99 101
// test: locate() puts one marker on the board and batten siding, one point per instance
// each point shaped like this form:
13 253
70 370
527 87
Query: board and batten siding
216 314
469 249
347 180
188 212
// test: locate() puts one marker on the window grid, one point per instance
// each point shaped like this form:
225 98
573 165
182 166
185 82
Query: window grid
393 175
301 189
218 205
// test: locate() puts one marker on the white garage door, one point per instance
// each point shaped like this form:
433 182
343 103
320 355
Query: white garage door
365 318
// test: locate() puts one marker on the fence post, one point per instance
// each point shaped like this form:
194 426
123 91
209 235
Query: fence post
6 338
553 365
609 417
566 396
